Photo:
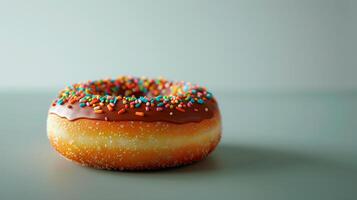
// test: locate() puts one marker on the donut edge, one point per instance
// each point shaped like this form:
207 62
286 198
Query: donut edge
127 159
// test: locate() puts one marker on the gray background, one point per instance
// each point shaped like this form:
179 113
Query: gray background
244 45
284 74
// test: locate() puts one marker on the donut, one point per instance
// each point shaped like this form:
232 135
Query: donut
134 123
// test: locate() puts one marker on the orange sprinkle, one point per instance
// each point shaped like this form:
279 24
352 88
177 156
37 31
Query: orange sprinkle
110 108
98 111
140 114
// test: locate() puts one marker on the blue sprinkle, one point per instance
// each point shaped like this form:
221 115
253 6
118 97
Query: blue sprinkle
60 102
137 105
82 105
158 98
193 91
192 101
160 104
143 99
200 101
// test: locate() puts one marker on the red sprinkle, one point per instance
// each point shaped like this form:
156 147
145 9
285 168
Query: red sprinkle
180 109
121 111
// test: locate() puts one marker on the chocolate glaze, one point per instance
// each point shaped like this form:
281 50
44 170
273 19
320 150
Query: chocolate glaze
74 112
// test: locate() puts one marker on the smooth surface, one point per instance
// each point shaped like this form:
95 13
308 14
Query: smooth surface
274 146
244 44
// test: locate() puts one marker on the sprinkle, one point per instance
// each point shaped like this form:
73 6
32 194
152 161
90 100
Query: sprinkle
158 98
171 113
143 99
139 114
158 94
121 111
99 111
110 108
97 108
180 109
60 102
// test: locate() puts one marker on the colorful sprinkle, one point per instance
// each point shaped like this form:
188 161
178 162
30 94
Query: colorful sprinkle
139 114
127 92
180 109
110 108
121 111
99 111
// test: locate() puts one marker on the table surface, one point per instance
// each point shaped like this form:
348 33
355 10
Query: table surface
274 146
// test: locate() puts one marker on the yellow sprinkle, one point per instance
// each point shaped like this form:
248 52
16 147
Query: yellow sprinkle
98 111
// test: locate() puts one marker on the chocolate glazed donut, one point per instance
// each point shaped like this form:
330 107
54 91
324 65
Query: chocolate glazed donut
132 123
